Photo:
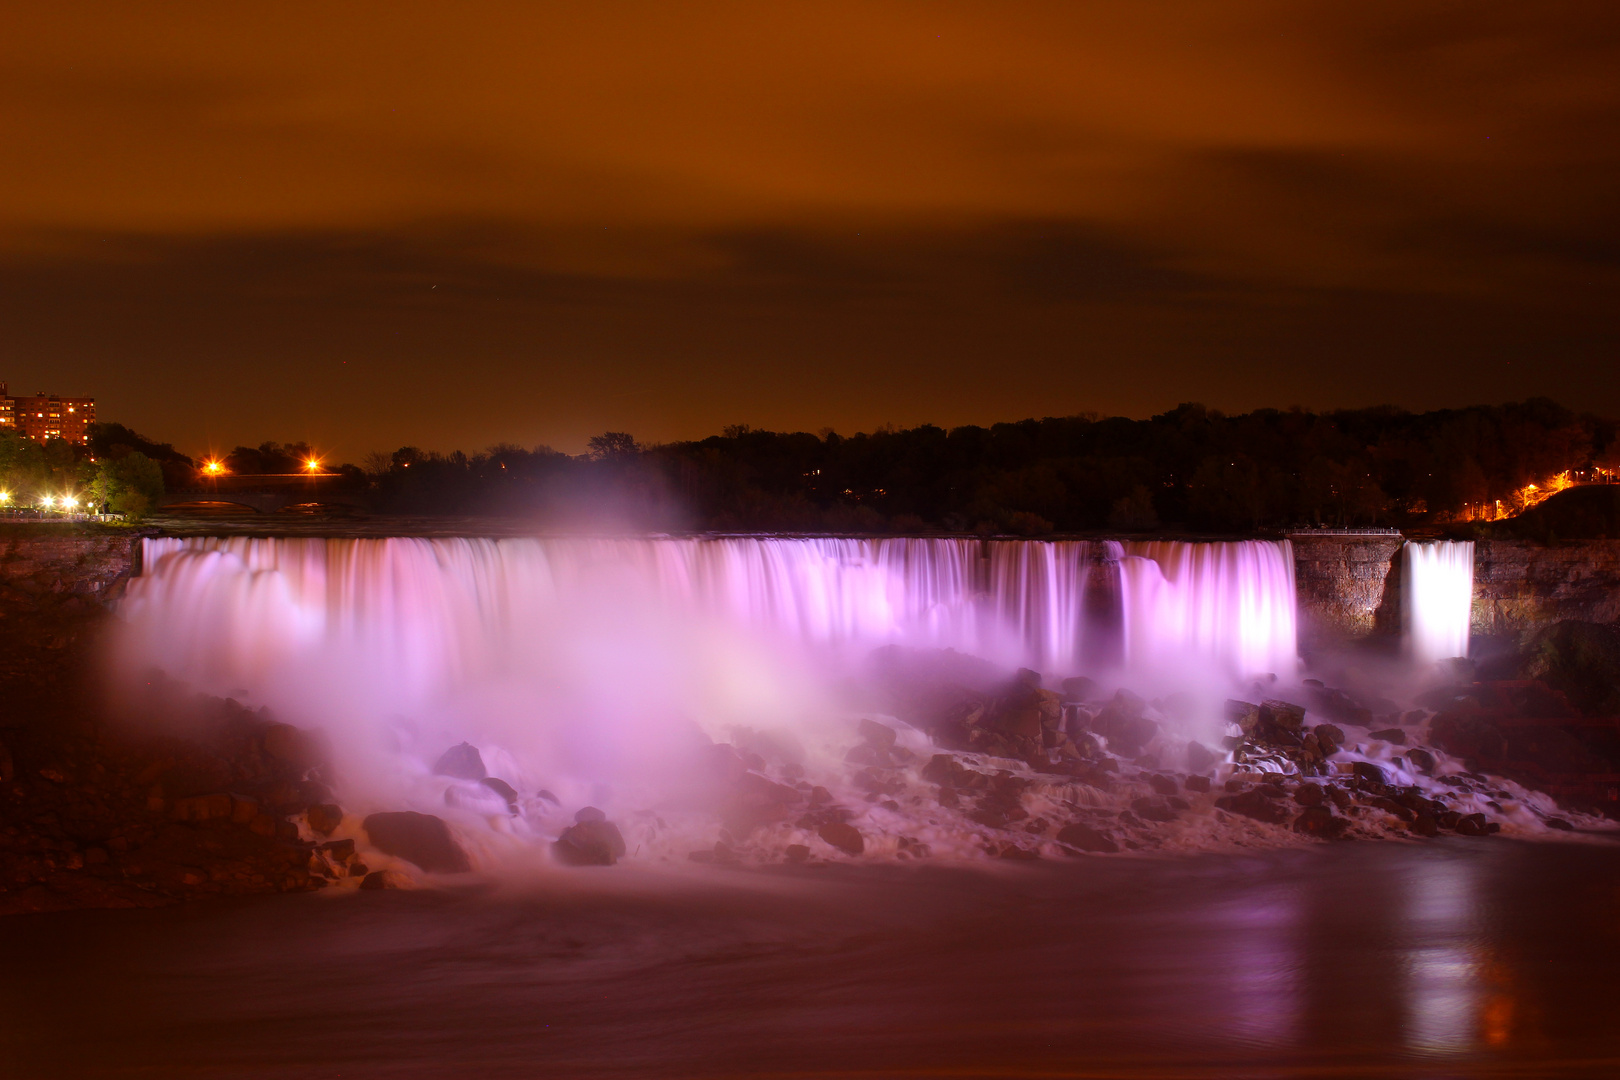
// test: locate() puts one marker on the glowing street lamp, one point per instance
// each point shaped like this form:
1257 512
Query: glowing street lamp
69 502
5 497
48 501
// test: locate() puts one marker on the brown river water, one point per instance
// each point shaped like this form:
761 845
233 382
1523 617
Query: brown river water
1453 959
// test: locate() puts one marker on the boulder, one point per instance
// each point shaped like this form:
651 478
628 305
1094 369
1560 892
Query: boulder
1085 838
877 734
324 817
1158 810
591 841
462 761
1472 825
1163 785
293 747
1319 821
1390 735
420 838
1283 714
1425 825
843 836
1200 758
387 879
796 853
504 790
1421 759
1078 688
1255 805
1309 795
1366 770
1199 784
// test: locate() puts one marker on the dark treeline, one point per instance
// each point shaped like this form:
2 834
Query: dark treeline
1191 468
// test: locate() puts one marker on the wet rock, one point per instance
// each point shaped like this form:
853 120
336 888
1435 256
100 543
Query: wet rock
1329 732
388 879
1153 810
586 814
1200 758
796 853
1319 821
1472 825
1390 735
324 817
1079 689
293 747
1559 823
462 761
1366 770
1199 784
879 735
1309 795
200 808
1283 715
1390 806
504 790
1339 796
1244 715
420 838
843 836
1255 805
1163 785
1421 759
591 841
244 810
1425 825
1084 838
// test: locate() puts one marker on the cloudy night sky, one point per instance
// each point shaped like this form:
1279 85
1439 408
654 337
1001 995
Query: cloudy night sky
451 225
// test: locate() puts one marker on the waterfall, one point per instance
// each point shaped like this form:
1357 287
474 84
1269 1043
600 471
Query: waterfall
1233 603
1439 598
444 609
591 658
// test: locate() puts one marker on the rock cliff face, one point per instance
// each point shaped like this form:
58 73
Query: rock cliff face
1521 586
1350 586
49 571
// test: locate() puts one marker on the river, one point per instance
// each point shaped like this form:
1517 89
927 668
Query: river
1465 958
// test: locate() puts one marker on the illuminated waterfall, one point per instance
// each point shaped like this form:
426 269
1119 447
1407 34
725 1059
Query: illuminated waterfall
1232 603
592 658
1439 594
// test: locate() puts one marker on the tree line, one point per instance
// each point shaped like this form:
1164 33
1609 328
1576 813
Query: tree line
1192 469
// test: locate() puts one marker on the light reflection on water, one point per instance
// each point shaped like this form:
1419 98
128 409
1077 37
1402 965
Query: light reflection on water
1463 958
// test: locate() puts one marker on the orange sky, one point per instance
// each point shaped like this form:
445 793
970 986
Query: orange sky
451 225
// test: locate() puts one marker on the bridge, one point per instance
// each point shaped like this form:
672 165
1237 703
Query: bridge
266 492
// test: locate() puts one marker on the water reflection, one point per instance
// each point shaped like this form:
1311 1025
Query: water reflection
1456 959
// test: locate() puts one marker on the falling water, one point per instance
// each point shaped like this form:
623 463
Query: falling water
1439 598
1232 603
604 657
